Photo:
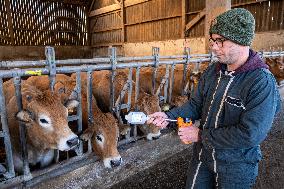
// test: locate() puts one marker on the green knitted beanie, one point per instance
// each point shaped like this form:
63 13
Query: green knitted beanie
237 25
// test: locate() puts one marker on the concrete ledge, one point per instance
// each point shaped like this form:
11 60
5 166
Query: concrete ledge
144 155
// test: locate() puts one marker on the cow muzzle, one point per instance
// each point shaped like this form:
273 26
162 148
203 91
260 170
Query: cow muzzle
73 142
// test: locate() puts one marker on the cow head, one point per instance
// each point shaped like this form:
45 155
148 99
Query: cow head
149 104
104 135
276 66
46 120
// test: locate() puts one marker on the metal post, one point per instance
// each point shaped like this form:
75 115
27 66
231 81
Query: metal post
23 131
166 84
155 53
90 108
8 147
79 109
113 61
129 89
137 84
185 68
50 58
172 82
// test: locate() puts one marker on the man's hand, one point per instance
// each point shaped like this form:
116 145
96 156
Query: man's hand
158 119
189 133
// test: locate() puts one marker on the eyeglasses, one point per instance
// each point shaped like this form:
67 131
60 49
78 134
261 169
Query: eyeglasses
218 41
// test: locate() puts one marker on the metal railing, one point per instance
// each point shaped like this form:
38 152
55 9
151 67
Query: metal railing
51 67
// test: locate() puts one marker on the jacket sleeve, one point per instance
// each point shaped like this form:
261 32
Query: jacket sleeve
263 100
192 108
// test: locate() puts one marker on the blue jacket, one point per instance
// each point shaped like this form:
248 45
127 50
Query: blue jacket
236 111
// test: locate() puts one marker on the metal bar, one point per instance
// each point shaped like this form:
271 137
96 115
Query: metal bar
72 118
172 82
79 109
18 64
166 84
7 141
185 68
112 54
90 105
137 82
50 58
124 59
129 89
22 128
155 53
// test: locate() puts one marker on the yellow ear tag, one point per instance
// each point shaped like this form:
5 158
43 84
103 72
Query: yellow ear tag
33 72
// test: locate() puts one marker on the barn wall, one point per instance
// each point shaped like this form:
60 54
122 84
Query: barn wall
159 23
37 52
263 41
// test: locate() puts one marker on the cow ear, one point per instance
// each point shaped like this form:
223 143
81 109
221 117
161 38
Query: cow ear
25 116
124 129
59 88
71 104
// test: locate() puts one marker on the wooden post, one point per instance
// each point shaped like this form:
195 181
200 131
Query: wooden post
183 18
123 33
213 9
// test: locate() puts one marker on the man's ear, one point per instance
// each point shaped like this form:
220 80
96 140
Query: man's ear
25 116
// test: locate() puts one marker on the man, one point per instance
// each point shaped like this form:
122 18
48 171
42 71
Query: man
236 101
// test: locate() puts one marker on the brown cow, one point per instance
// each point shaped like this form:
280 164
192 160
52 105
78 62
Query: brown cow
45 118
276 66
177 99
101 91
103 131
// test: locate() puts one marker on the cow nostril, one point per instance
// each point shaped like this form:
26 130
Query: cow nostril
73 142
156 137
115 163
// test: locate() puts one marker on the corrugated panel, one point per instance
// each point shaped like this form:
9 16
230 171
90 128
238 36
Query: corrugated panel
41 22
194 7
269 15
161 19
106 37
154 31
152 10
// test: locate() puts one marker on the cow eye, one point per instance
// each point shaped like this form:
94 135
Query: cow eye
43 121
99 138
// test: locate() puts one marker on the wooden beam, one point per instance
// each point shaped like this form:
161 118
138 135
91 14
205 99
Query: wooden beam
4 38
123 34
106 45
104 10
195 20
183 18
129 3
213 9
10 21
115 7
90 8
248 3
152 20
107 29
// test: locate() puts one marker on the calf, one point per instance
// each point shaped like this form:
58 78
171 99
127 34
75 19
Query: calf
276 66
45 118
177 99
103 131
101 91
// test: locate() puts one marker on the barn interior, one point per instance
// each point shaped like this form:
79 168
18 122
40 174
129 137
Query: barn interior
86 33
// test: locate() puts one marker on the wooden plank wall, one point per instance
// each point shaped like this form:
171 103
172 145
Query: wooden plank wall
157 20
42 22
